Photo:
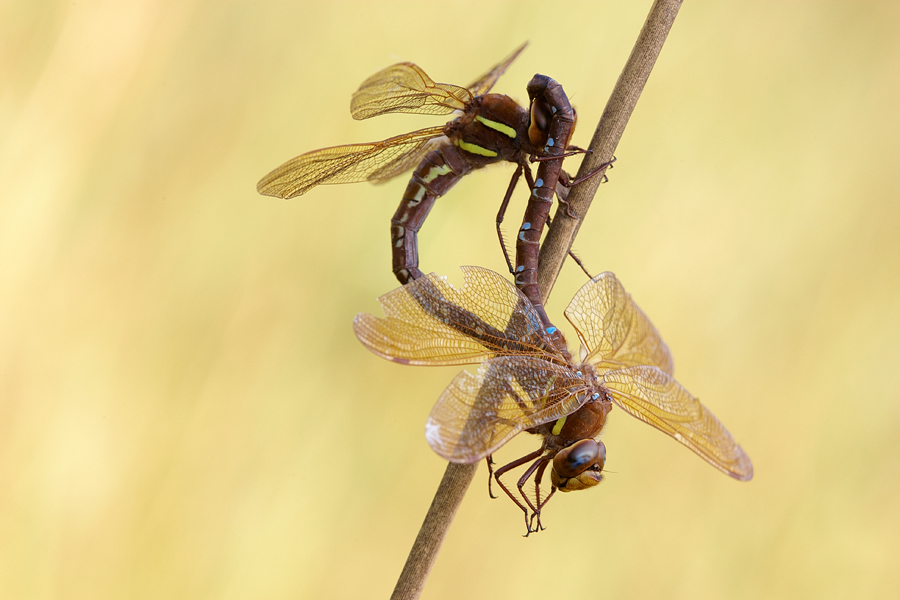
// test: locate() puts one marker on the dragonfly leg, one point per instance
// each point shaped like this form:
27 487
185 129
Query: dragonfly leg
578 150
603 167
580 264
528 177
538 477
502 212
490 465
517 463
538 465
569 152
563 185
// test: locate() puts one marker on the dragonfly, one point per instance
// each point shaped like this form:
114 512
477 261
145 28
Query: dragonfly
525 382
491 128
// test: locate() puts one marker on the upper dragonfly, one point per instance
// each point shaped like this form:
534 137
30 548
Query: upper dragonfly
526 383
491 128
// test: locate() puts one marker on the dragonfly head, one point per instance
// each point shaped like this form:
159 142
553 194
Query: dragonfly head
579 466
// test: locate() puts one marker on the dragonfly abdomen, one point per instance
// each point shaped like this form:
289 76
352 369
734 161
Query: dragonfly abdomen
435 175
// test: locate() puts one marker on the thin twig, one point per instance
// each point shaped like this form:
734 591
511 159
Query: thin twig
606 137
553 253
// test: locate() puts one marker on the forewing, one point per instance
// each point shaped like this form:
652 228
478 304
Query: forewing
484 85
430 322
477 414
613 329
405 88
347 164
656 398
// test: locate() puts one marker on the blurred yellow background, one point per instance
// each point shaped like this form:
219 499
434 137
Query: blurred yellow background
185 412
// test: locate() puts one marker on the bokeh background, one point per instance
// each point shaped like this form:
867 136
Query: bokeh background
185 412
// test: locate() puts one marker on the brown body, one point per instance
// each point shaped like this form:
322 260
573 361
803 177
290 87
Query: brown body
527 383
491 128
553 120
469 141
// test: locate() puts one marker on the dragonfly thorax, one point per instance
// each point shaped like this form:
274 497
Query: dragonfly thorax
493 128
586 422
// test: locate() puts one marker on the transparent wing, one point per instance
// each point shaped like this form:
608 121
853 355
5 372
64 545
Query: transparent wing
430 322
613 329
477 414
405 88
407 161
484 85
655 398
347 164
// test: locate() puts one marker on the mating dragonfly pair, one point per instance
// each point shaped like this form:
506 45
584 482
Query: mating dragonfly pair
528 380
491 128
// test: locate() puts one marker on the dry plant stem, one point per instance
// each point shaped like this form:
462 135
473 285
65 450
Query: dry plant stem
447 499
606 137
553 252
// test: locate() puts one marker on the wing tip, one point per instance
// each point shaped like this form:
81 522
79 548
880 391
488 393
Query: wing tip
744 468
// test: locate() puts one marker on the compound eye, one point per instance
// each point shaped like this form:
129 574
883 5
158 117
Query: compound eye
541 114
578 457
601 456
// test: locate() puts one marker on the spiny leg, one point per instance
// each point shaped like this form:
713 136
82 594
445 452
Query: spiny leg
516 463
490 465
578 150
565 181
502 212
606 165
572 253
538 477
569 152
538 464
580 264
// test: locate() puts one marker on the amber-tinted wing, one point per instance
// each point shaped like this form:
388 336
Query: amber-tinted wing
477 414
655 398
484 85
405 88
346 164
612 328
407 161
430 322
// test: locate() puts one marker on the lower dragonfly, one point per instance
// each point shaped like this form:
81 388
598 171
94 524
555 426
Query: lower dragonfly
527 383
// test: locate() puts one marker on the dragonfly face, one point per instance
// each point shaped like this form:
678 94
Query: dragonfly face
579 466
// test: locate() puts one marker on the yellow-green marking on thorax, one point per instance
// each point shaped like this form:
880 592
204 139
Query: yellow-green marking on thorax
475 149
496 126
557 427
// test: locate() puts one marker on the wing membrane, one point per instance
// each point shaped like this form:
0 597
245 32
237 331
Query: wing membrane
348 164
430 322
405 88
407 161
656 398
613 329
477 414
484 85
